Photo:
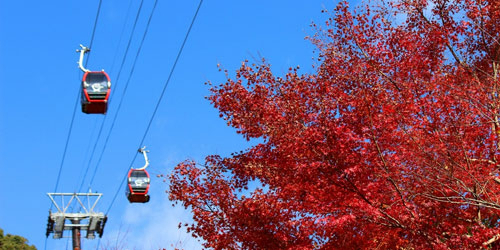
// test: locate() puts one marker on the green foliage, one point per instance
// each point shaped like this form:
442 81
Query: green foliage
14 242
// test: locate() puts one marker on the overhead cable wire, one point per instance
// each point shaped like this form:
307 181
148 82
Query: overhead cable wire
67 143
71 123
64 154
73 117
92 155
121 35
125 89
128 45
94 29
88 156
171 73
96 20
74 110
116 113
159 100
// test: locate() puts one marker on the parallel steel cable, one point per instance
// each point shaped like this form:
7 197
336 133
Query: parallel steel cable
128 45
73 117
117 80
67 143
157 105
79 187
86 62
125 89
74 110
159 101
87 157
121 35
64 154
93 30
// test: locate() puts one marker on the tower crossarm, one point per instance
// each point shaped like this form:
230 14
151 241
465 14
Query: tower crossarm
86 219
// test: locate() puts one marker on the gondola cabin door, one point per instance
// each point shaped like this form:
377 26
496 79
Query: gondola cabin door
96 87
138 186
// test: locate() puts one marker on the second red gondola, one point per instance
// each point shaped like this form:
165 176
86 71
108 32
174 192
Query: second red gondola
138 186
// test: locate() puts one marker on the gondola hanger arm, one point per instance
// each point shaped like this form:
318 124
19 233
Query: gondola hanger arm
80 62
144 151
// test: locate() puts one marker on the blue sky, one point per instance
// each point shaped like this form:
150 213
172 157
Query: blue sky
40 80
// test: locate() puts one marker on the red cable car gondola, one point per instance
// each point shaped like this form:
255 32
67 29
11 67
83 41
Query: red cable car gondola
138 186
95 92
138 182
96 87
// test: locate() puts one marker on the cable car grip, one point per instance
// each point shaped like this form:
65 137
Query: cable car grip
144 151
82 52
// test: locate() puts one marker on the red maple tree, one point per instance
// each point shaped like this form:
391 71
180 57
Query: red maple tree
393 142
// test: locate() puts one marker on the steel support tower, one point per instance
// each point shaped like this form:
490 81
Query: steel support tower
80 216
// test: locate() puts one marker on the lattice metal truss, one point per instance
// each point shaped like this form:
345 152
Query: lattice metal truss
80 215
